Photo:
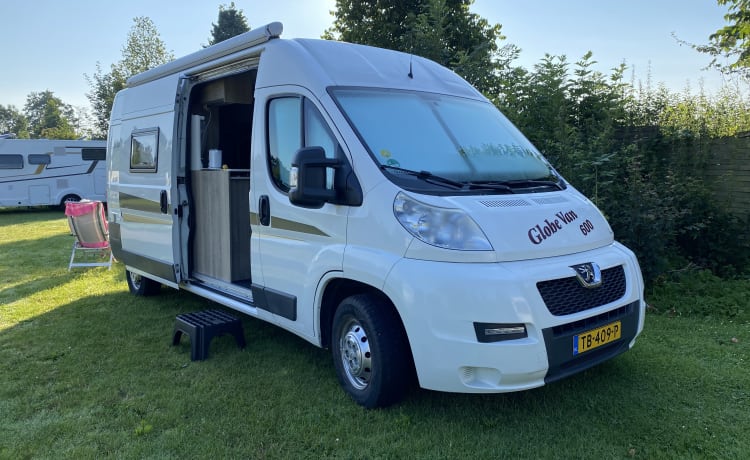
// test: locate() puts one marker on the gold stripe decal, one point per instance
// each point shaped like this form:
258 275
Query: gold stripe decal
139 204
127 217
292 226
289 225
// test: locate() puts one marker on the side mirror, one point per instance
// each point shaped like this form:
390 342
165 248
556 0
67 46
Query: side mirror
308 184
307 178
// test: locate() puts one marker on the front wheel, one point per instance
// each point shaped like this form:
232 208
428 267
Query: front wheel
370 351
140 285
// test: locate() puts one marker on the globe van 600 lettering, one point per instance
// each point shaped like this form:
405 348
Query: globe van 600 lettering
540 232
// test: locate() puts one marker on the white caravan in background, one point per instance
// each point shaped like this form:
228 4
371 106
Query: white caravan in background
371 202
43 172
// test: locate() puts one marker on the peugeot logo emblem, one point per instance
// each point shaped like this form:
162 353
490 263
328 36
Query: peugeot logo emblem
588 274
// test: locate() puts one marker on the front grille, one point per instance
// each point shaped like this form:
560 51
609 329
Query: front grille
593 322
566 296
559 341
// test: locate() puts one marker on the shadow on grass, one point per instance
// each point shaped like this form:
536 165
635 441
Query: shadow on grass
31 285
35 262
40 248
101 365
14 216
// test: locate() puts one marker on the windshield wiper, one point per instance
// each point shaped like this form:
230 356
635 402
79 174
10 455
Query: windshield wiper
558 184
506 186
488 185
426 176
520 183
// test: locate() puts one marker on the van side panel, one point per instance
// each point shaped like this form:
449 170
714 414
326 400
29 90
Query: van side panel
141 179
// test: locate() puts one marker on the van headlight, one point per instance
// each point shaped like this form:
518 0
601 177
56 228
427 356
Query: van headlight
442 227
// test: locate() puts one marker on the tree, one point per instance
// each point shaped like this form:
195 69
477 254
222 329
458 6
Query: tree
49 117
231 22
143 50
104 86
731 42
380 23
12 121
442 30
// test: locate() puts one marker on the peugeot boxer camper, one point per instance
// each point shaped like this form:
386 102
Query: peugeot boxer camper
371 202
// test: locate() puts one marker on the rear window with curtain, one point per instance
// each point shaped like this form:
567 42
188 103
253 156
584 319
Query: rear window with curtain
93 154
40 159
144 145
11 162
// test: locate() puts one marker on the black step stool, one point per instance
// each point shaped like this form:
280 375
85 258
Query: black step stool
202 326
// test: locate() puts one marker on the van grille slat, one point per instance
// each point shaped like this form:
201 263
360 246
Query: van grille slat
565 296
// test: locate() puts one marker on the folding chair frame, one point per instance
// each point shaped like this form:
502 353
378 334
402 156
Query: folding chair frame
98 238
77 247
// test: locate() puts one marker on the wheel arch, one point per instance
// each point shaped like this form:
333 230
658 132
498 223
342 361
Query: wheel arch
337 290
393 373
62 198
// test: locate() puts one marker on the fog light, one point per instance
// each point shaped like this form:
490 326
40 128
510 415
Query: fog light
496 332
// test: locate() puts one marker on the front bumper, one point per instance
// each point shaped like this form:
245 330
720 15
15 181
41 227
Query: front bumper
440 302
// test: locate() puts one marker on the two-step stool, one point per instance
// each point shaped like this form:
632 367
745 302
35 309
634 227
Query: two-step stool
202 326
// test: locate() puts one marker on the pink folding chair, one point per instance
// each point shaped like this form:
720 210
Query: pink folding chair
89 226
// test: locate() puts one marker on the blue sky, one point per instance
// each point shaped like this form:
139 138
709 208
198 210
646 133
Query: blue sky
51 44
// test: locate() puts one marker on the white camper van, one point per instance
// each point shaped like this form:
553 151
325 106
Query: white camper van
44 172
369 201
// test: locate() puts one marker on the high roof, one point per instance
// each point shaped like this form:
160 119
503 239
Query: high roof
316 64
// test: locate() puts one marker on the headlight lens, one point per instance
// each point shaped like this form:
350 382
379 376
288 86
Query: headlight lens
442 227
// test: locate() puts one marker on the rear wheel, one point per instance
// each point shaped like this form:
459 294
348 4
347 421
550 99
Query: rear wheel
370 351
69 199
140 285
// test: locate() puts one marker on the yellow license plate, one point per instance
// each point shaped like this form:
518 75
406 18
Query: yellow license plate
596 337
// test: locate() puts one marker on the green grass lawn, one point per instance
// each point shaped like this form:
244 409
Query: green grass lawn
88 371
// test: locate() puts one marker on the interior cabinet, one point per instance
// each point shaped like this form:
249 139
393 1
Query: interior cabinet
221 233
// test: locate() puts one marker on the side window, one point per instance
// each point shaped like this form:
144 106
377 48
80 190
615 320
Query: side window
318 134
293 123
92 154
11 162
284 137
144 150
39 159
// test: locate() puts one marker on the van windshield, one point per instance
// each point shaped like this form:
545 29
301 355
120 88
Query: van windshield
459 139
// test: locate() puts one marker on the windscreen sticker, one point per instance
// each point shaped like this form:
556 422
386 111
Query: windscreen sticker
389 161
549 228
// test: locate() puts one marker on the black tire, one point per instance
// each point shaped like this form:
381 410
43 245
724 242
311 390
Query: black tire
69 198
140 285
370 351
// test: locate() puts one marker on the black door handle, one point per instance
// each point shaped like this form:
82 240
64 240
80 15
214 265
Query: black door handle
163 202
264 210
